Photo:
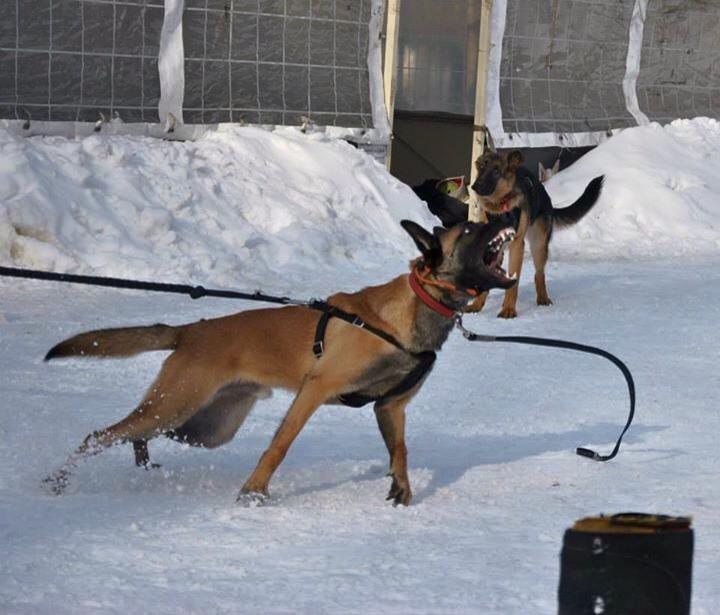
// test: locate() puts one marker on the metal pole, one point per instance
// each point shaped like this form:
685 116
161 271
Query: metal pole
390 66
474 210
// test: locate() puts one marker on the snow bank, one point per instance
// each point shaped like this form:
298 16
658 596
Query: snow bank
284 210
239 206
661 196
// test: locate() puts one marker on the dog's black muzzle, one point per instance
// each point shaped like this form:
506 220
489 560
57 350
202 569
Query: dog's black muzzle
485 186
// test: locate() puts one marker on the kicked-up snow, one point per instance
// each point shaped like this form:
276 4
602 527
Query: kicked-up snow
491 435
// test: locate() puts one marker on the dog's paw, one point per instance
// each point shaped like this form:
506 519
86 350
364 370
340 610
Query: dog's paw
508 312
544 300
399 493
149 466
252 499
57 482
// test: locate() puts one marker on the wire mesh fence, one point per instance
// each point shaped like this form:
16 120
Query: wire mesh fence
563 65
277 61
680 61
258 61
80 61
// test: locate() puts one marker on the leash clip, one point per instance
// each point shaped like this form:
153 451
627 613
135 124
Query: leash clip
358 322
469 335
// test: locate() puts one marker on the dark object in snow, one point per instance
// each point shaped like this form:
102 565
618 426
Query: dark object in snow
631 563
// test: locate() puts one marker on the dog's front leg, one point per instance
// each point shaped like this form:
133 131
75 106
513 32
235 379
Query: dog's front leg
314 392
477 304
391 421
516 250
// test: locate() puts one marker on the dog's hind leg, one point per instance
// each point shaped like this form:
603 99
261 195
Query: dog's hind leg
142 455
217 422
390 417
177 393
539 247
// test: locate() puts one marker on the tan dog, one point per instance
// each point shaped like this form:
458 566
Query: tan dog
508 191
239 357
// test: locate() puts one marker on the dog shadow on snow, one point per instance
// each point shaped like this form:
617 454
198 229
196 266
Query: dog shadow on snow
448 457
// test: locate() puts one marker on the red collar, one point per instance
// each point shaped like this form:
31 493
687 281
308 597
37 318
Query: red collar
504 203
426 298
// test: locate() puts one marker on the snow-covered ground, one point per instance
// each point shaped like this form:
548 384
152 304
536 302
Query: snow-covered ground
491 440
491 436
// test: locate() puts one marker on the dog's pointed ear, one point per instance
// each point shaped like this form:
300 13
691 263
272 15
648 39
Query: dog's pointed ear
427 243
514 159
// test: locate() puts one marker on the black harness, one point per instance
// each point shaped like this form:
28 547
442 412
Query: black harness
357 399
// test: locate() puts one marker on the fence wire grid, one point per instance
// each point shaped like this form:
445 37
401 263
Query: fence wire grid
258 61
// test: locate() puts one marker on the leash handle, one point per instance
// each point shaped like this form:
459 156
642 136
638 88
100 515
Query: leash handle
552 343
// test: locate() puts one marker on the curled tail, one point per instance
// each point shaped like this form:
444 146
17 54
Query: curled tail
567 216
123 342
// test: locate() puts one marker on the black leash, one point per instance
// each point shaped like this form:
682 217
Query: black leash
196 292
550 343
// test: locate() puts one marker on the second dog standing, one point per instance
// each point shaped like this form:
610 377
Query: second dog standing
509 192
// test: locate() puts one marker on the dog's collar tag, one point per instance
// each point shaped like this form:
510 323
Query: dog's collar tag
428 299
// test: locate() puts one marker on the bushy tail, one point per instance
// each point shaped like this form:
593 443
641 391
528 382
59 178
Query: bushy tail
123 342
567 216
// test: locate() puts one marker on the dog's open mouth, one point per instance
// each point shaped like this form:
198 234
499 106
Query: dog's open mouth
493 253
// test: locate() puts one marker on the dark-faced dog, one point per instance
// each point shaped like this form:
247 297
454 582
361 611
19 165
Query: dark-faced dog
509 192
219 367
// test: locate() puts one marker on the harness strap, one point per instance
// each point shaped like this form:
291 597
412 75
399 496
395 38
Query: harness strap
425 364
354 399
330 311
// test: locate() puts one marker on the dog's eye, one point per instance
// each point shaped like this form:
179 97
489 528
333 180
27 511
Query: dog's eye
467 229
496 173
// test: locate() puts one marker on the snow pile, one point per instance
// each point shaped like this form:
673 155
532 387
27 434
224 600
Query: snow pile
239 206
281 210
661 194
